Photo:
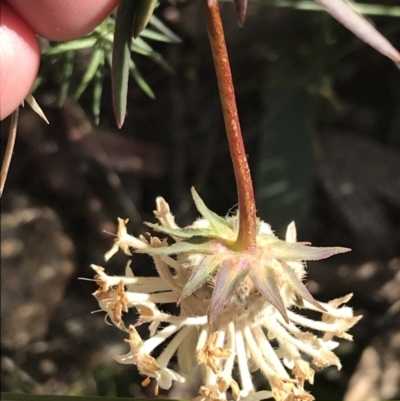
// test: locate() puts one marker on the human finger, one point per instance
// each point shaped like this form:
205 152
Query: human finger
63 19
19 60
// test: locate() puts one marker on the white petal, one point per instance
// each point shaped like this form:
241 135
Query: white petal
165 376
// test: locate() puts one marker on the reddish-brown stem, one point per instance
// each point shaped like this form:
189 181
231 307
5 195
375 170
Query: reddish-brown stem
246 239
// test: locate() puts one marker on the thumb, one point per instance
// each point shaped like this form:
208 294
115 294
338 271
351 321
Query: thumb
19 60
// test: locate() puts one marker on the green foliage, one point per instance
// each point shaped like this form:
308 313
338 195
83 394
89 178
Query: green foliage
103 44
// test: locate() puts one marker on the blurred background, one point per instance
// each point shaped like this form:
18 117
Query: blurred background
320 115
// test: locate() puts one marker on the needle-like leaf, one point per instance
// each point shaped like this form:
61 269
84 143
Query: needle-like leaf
144 11
138 77
240 7
66 74
77 44
96 61
36 108
9 149
46 63
157 24
356 23
97 91
142 47
121 58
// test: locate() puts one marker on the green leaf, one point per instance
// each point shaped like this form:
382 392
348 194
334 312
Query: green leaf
200 274
141 47
143 13
77 44
121 58
68 68
137 76
232 272
157 24
98 91
153 35
46 63
217 222
96 61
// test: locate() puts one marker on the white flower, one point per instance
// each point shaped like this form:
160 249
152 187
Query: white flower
147 365
232 306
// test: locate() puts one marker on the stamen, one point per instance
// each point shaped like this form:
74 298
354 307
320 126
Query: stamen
146 382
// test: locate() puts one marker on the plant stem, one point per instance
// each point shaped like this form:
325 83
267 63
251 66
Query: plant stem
246 239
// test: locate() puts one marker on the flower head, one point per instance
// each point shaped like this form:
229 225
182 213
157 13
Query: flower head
237 308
